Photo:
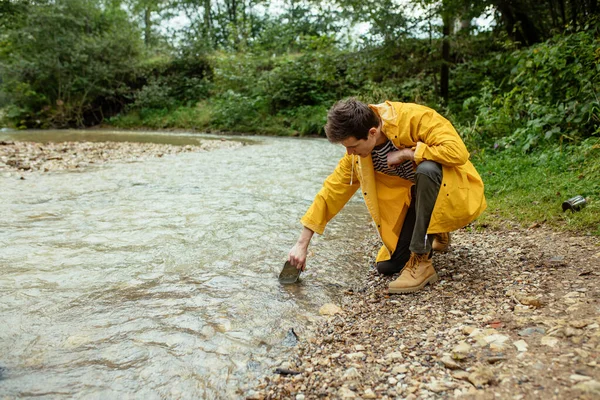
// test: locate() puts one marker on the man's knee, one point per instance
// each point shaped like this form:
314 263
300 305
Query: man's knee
430 169
388 268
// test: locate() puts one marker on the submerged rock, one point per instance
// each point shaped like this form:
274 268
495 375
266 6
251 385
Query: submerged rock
291 339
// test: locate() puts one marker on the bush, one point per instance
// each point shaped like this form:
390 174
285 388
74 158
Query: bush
550 96
67 63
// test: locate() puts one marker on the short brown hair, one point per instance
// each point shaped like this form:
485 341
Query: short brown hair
350 118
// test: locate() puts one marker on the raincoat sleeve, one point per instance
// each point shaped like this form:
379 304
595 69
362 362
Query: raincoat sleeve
438 141
337 189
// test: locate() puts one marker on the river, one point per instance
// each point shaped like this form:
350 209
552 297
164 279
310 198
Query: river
158 279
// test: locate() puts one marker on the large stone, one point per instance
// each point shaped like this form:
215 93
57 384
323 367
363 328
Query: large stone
329 309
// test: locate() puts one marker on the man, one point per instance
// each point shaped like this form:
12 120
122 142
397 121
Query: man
416 178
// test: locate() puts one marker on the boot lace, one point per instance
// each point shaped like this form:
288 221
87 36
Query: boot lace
412 264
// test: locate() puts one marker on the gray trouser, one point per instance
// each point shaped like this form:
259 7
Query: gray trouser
413 236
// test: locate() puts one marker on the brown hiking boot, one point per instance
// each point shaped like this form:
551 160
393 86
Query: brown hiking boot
441 242
417 273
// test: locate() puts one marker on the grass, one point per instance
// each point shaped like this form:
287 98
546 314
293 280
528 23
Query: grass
194 118
302 121
530 188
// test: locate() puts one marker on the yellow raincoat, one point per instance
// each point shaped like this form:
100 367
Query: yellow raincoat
387 197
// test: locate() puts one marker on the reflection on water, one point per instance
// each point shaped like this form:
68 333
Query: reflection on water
158 279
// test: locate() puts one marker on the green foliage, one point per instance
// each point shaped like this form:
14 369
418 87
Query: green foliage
235 112
67 63
549 97
168 82
183 117
307 120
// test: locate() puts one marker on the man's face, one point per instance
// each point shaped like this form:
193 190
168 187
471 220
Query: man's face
362 147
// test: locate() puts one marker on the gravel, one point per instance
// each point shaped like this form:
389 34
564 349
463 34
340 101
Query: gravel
515 315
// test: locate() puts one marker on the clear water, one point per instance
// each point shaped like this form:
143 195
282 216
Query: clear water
158 279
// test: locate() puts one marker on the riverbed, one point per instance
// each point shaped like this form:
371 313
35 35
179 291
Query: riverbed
158 278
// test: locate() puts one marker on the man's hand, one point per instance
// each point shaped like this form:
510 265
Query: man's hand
400 156
297 255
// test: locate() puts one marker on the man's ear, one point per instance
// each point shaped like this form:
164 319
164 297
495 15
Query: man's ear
372 131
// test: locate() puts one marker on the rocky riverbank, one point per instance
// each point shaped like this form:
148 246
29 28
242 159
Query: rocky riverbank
516 315
26 157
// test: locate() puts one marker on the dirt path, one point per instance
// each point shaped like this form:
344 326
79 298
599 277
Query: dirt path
516 315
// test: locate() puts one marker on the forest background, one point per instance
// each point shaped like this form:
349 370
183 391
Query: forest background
521 88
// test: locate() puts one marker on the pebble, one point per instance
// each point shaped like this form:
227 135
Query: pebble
399 369
413 350
581 323
461 351
530 301
395 356
450 363
346 393
531 331
369 394
592 386
521 345
549 341
351 374
579 378
28 157
496 338
481 376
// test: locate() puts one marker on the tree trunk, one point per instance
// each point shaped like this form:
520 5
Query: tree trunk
553 14
445 71
207 23
561 3
147 26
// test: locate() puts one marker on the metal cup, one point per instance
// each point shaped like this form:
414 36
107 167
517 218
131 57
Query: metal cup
289 274
574 204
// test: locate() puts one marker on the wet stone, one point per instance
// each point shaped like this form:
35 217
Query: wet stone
532 331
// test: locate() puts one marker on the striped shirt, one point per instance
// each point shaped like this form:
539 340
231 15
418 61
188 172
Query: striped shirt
379 156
